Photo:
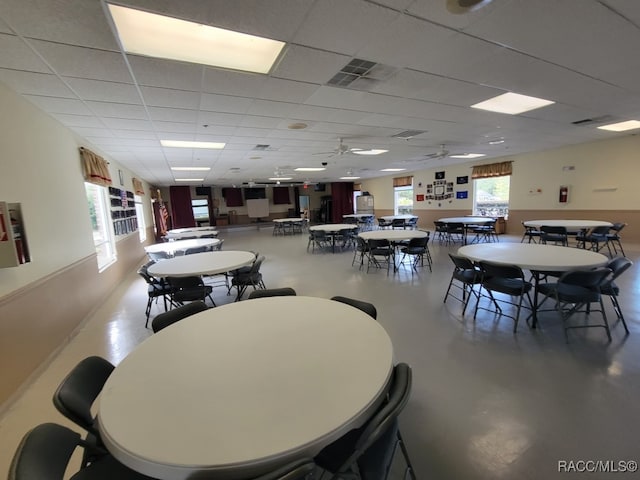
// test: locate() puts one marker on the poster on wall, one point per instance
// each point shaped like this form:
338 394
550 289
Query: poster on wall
462 180
419 198
439 175
462 194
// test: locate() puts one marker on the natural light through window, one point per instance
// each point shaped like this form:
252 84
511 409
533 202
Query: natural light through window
99 213
403 200
491 196
142 230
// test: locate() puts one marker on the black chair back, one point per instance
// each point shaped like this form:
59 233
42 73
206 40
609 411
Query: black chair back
272 292
366 307
163 320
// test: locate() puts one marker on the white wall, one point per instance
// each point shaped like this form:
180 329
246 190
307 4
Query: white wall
40 168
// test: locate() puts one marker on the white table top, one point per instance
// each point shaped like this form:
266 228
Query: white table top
190 233
192 229
285 220
333 227
393 235
244 387
531 256
466 220
358 215
207 263
570 224
392 217
178 245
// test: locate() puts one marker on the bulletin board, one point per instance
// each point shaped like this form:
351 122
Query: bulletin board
258 208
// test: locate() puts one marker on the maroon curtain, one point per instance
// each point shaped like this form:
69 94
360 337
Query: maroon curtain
281 195
181 207
342 198
232 197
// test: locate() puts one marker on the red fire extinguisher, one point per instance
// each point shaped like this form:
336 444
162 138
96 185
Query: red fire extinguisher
564 194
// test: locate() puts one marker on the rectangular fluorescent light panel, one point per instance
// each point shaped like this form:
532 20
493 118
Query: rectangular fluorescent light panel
393 170
373 151
349 178
621 126
310 169
468 155
512 103
154 35
191 169
189 179
186 144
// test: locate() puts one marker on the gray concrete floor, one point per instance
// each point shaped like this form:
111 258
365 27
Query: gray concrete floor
486 403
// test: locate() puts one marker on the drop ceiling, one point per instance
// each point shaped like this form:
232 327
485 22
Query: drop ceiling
63 56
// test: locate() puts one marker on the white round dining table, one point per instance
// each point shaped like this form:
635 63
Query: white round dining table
393 235
207 263
189 233
192 229
390 218
569 224
181 245
467 220
237 390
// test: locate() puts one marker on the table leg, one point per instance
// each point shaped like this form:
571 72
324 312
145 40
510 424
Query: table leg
534 307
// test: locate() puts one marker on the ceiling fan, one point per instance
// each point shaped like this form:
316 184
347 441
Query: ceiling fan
442 153
341 149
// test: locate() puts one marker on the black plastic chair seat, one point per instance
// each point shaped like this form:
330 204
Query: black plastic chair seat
509 286
569 293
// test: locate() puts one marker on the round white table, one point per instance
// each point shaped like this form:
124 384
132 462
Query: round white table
208 263
192 229
237 390
172 235
180 245
571 225
390 218
536 258
332 229
393 235
467 222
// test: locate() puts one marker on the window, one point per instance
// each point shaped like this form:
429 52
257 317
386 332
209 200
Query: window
101 225
142 228
200 208
491 196
403 200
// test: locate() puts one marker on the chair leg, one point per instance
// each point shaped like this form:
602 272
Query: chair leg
618 310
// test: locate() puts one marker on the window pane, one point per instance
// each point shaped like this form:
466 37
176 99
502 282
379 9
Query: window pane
100 216
142 230
200 208
403 200
492 196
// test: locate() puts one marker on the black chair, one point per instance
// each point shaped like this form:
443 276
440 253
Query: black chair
555 235
465 276
200 249
366 307
44 453
252 278
618 265
398 223
596 238
165 319
368 452
417 248
484 232
532 234
574 293
412 223
440 231
361 251
380 252
272 292
77 393
157 256
455 232
156 288
508 280
383 223
613 237
189 289
318 238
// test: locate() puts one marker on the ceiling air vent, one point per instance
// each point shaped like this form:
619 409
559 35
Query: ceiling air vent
361 74
592 121
407 134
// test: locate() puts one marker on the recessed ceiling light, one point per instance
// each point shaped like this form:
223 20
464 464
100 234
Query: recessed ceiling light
393 170
349 178
310 169
621 126
154 35
512 103
496 142
373 151
280 178
191 169
297 126
189 179
468 155
186 144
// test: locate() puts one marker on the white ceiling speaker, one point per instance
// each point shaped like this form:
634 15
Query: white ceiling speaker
466 6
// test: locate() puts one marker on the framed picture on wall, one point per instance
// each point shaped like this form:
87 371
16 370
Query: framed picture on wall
462 194
462 180
439 175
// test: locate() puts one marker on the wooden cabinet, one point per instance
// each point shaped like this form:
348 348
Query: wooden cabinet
14 250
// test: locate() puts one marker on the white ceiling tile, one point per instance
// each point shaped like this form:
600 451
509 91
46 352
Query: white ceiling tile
128 124
224 103
73 121
165 97
118 110
173 115
286 90
16 55
309 65
100 91
35 83
60 105
156 72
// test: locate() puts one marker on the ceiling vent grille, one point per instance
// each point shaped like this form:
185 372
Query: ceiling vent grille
407 134
264 148
592 121
361 74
